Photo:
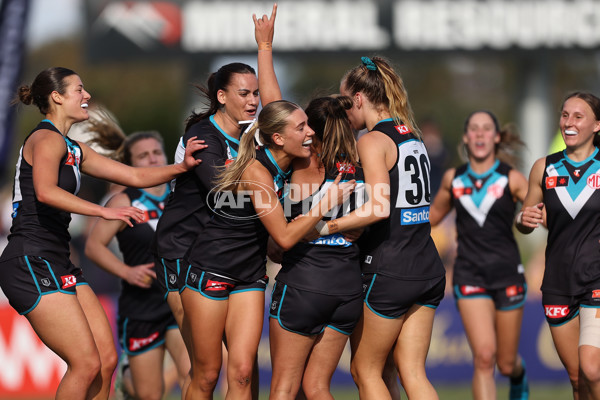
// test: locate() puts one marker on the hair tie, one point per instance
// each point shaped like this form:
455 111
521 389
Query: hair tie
367 62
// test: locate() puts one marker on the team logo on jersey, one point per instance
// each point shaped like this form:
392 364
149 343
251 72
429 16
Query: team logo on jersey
45 282
345 168
138 343
556 311
461 191
193 277
274 305
68 281
215 286
467 290
402 129
496 191
149 215
556 181
593 181
172 279
596 294
368 259
71 159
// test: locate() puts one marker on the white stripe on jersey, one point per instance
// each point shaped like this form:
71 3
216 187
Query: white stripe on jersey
480 213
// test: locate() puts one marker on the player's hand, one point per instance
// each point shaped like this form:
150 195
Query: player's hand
264 27
141 275
125 214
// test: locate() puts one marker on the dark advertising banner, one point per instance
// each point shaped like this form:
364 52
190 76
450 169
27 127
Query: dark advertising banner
13 17
120 28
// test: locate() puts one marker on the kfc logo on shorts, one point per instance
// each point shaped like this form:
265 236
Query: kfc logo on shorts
138 343
511 291
496 191
596 294
469 289
68 281
556 311
214 286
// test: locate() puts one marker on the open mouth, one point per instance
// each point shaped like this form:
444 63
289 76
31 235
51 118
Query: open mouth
307 143
570 132
84 105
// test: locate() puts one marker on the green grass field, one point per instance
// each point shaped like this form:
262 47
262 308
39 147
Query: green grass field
452 392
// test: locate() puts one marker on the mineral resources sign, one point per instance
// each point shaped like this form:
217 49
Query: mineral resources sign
195 27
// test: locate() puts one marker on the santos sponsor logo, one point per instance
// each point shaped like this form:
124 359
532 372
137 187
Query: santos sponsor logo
414 216
332 240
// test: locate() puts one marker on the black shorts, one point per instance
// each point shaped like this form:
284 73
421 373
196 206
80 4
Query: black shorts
24 280
137 337
218 287
560 309
391 297
168 274
309 313
508 298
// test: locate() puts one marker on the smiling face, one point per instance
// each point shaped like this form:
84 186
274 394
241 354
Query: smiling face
147 152
240 98
578 124
297 137
74 100
481 137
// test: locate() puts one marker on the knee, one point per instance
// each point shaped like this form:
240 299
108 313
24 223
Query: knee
108 360
206 379
507 367
240 374
149 393
590 369
86 368
484 360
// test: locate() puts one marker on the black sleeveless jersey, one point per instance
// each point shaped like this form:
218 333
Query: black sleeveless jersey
572 202
329 264
487 254
37 228
234 241
186 212
400 246
134 242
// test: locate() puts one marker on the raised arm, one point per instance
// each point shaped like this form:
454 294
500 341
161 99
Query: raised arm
442 204
44 150
264 29
259 185
102 167
96 248
532 212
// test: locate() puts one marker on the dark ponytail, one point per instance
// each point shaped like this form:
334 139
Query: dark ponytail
216 81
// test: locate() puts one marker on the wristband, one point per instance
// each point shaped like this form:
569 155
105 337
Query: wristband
520 218
265 46
322 228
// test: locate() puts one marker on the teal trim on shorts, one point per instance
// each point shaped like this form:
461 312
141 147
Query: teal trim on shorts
566 322
369 306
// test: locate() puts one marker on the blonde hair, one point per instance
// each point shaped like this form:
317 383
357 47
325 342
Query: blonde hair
384 88
272 119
